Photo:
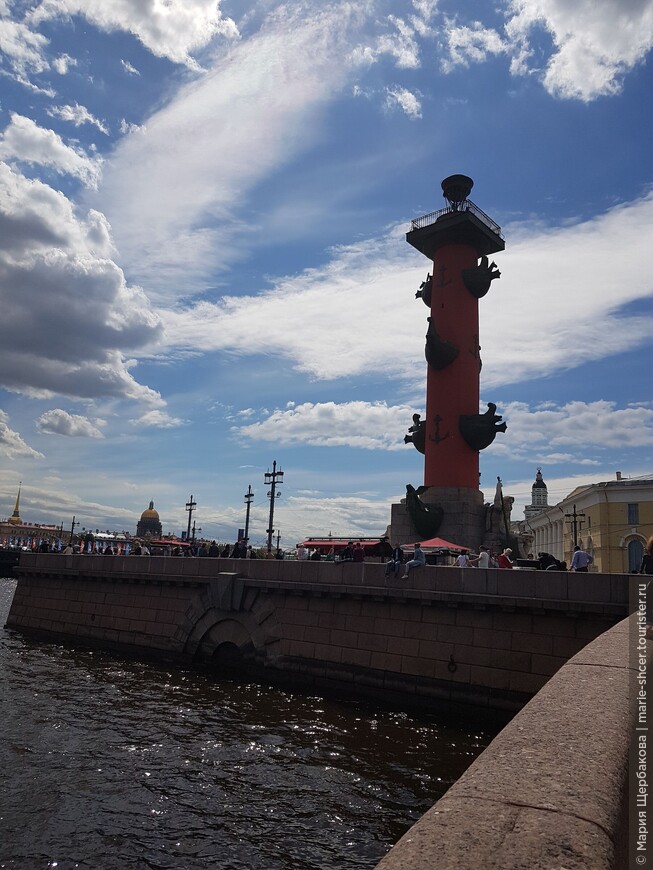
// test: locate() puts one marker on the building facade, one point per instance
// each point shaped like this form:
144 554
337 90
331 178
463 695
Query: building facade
611 520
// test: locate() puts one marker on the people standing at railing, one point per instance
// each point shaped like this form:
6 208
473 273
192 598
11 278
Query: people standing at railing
505 560
581 560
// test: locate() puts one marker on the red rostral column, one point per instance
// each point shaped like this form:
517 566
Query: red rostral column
454 432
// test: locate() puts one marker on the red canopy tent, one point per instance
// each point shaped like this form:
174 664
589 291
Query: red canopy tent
438 544
340 544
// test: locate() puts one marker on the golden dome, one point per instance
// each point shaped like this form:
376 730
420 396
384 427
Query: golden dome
150 513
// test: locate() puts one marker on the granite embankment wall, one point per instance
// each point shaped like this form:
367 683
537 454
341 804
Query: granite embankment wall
453 636
550 791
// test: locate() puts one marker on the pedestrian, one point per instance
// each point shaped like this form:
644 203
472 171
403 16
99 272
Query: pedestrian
647 569
581 560
482 560
505 560
358 552
214 550
418 560
463 560
348 553
647 560
396 561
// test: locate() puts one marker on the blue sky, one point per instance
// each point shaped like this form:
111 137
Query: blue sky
203 265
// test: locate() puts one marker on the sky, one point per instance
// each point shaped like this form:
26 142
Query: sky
203 265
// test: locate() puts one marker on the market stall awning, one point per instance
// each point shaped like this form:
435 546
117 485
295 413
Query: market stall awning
314 543
437 544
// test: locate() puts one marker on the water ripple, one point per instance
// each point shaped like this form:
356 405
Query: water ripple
113 763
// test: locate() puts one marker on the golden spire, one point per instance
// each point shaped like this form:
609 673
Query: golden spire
15 519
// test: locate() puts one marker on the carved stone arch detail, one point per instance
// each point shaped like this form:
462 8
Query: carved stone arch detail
229 614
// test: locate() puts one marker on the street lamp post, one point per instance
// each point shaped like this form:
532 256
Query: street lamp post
272 479
195 530
249 495
190 507
72 530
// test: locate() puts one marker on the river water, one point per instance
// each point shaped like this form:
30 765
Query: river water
108 762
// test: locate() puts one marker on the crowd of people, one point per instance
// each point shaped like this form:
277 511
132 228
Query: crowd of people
395 558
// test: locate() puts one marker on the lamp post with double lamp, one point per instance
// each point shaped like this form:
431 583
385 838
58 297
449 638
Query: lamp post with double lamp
190 507
194 530
272 479
249 495
72 530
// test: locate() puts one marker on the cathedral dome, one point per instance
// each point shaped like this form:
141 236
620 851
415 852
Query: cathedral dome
149 524
150 513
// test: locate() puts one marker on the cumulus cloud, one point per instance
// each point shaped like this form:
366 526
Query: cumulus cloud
24 141
60 422
397 97
63 63
582 425
174 29
69 319
378 426
593 45
157 419
470 44
370 426
12 445
77 115
21 45
400 43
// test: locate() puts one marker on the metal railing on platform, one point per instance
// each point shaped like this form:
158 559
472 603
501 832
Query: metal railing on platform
428 219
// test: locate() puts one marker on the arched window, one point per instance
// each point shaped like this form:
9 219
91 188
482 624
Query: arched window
635 553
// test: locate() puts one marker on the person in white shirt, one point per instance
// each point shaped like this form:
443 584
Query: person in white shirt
463 560
581 560
482 560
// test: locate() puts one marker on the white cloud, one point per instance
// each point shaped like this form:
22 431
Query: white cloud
129 68
63 63
173 29
369 426
258 108
555 283
26 142
12 445
400 44
59 422
397 97
595 44
127 128
77 115
68 316
585 425
473 43
378 426
23 48
158 419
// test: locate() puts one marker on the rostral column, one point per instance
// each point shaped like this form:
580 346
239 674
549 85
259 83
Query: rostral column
458 239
